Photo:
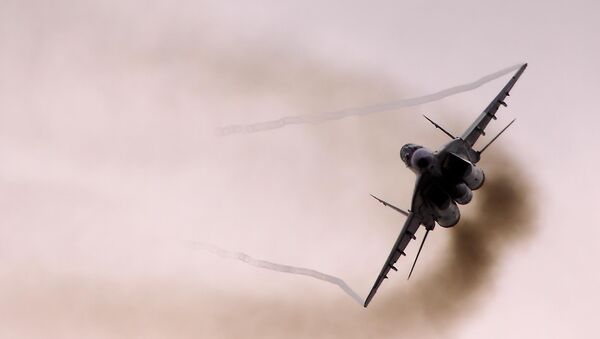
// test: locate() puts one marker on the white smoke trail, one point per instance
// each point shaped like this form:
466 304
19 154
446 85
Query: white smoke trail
382 107
280 268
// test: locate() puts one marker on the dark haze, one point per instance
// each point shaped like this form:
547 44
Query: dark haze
462 275
444 290
153 98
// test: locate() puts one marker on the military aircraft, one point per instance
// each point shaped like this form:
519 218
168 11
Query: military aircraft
445 178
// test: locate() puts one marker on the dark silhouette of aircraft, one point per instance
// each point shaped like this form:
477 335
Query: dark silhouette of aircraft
445 178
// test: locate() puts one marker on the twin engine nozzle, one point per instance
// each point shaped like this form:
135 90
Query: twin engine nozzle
422 158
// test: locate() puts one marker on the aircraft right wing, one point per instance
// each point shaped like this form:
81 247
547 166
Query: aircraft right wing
478 127
413 221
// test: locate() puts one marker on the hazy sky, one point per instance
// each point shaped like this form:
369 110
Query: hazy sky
111 166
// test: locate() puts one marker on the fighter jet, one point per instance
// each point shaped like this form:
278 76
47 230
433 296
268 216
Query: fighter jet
445 178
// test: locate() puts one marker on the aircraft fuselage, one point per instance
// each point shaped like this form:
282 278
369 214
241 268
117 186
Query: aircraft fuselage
448 177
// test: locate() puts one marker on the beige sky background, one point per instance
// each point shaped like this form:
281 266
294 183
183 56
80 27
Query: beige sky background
110 166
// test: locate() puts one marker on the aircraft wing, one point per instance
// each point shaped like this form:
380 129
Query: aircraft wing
413 221
478 127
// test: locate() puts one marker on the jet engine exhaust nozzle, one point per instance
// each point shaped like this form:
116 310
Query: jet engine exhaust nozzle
422 159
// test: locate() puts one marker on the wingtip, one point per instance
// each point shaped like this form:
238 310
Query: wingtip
370 297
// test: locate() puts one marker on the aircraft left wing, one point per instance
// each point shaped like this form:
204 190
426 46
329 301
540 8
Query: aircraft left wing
478 127
413 221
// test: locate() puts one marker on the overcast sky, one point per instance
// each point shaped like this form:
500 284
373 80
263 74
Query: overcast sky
111 166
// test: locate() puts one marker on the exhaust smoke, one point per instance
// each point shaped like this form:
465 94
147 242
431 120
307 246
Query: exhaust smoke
448 290
77 268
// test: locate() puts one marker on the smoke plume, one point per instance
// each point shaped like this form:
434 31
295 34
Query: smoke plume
106 170
463 273
444 290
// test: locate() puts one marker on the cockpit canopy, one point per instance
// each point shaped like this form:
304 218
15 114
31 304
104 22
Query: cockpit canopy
407 151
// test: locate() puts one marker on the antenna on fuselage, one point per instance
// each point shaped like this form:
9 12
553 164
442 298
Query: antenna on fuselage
385 203
417 257
439 127
496 137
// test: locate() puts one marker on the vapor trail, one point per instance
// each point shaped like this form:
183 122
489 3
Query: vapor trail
280 268
382 107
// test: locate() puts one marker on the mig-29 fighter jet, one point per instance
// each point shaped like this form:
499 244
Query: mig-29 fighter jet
445 178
